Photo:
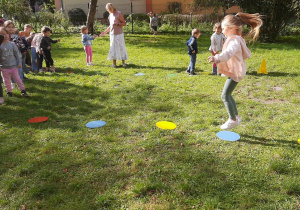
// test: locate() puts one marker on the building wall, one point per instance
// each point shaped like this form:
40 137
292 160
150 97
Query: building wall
139 6
159 6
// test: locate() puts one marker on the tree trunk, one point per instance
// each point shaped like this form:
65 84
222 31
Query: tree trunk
91 15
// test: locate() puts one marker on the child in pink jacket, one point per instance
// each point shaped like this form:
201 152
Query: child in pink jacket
232 59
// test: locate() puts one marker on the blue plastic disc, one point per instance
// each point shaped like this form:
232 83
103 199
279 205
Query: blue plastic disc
228 135
139 74
95 124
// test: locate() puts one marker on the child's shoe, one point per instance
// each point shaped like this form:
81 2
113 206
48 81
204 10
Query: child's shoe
124 65
9 94
13 85
113 66
91 64
187 71
239 119
41 70
192 73
1 100
24 94
230 124
87 64
53 70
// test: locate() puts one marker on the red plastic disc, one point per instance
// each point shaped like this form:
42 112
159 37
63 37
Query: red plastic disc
38 119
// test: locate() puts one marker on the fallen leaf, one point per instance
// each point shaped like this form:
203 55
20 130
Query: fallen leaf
65 170
130 162
23 207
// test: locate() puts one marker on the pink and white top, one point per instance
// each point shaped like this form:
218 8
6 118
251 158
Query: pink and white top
232 59
36 41
114 19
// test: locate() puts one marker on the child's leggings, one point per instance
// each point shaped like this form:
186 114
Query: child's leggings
212 52
89 54
7 74
228 99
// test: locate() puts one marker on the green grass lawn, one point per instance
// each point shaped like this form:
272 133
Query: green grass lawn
130 163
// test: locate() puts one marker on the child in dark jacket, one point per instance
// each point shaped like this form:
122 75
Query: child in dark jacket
193 50
45 46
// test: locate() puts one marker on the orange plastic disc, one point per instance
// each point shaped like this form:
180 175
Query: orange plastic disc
38 119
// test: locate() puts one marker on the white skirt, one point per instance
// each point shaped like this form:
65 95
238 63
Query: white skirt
117 50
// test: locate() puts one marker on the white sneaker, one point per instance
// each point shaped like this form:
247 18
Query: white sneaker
41 70
113 66
91 64
13 85
87 64
239 119
229 124
1 100
124 65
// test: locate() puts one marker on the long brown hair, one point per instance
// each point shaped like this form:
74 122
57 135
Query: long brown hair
241 19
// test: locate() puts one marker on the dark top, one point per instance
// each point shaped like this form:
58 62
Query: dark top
192 45
46 42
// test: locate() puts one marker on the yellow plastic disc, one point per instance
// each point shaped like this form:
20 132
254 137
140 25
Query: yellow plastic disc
298 141
166 125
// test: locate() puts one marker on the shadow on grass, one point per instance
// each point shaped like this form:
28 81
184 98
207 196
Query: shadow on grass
268 142
273 74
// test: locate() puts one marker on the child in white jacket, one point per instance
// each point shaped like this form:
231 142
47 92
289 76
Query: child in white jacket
232 59
217 41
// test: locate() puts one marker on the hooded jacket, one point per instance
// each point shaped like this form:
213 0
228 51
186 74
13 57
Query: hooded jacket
232 59
192 45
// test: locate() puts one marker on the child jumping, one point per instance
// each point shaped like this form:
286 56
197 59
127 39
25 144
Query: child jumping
217 41
232 59
193 50
10 59
45 46
87 44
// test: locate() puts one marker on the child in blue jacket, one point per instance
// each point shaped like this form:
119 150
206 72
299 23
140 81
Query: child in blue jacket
193 50
87 44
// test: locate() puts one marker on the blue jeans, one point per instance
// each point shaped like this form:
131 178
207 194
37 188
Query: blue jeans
25 69
34 58
193 57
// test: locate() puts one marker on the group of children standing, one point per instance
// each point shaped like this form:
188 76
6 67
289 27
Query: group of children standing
227 37
14 50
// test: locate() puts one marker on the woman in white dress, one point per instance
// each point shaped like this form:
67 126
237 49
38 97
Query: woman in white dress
117 49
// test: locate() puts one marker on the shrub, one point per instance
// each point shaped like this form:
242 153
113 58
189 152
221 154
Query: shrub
105 15
77 16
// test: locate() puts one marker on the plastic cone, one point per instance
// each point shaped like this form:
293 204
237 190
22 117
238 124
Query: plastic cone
263 68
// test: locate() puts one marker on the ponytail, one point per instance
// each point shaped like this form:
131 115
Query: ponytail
255 22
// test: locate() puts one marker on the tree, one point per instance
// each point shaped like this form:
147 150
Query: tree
91 15
276 15
19 10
